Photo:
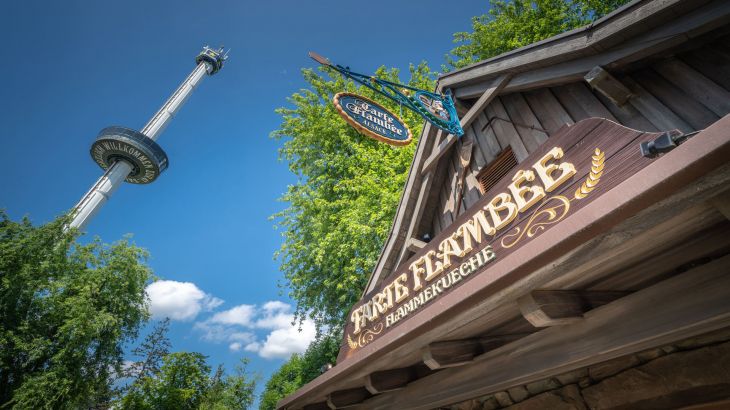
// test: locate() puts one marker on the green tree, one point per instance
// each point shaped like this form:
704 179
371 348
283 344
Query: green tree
184 382
66 309
231 392
300 370
282 383
342 206
151 351
321 351
516 23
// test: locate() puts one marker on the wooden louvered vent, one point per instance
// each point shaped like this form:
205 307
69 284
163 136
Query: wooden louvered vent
492 173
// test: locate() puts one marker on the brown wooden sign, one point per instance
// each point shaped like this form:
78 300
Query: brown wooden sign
571 169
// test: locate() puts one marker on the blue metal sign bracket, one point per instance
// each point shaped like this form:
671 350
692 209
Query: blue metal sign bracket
438 109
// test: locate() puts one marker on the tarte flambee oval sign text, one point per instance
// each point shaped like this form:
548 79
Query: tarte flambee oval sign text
371 119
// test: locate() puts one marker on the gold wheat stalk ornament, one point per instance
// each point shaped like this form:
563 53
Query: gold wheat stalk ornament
594 176
351 343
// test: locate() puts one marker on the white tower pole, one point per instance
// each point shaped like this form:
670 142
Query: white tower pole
122 151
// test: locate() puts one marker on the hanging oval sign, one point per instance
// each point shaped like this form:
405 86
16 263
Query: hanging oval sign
371 119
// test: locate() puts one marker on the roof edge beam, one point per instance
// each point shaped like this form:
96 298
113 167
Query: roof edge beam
544 308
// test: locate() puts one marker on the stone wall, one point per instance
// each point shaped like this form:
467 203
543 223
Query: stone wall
688 372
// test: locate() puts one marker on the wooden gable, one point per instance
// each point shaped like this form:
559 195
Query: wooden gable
676 76
606 281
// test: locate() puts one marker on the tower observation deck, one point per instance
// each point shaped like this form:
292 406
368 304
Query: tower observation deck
134 156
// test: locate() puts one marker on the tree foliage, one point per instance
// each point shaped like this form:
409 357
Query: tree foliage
516 23
283 382
66 310
231 392
342 207
300 370
184 382
151 351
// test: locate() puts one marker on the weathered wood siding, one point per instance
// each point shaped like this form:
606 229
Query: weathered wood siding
687 92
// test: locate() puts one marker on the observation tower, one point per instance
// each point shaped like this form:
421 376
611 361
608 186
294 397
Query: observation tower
134 156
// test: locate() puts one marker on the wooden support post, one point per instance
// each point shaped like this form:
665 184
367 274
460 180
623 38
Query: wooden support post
543 308
497 85
606 84
345 398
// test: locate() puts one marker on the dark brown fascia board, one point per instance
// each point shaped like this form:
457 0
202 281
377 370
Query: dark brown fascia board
696 157
614 28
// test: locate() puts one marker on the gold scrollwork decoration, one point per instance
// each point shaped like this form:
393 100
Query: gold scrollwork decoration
597 163
365 337
543 215
551 214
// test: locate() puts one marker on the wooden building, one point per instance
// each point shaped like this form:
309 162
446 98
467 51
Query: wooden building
561 254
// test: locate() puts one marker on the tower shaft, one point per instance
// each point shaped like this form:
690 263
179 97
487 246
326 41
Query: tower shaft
99 193
167 112
134 156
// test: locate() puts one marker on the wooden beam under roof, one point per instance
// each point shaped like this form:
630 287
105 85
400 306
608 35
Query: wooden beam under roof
487 96
347 398
413 244
452 353
722 203
602 81
543 308
687 305
317 406
395 379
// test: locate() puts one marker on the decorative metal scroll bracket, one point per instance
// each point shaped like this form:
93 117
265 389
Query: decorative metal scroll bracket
438 109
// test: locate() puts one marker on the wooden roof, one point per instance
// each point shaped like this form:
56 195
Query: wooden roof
631 34
625 243
631 241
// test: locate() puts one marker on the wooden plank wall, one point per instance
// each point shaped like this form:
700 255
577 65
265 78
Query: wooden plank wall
686 92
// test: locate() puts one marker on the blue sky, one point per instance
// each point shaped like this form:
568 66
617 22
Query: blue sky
72 68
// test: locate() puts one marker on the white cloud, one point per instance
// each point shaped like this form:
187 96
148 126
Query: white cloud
281 343
236 326
253 347
178 300
217 333
244 337
238 315
276 315
276 306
